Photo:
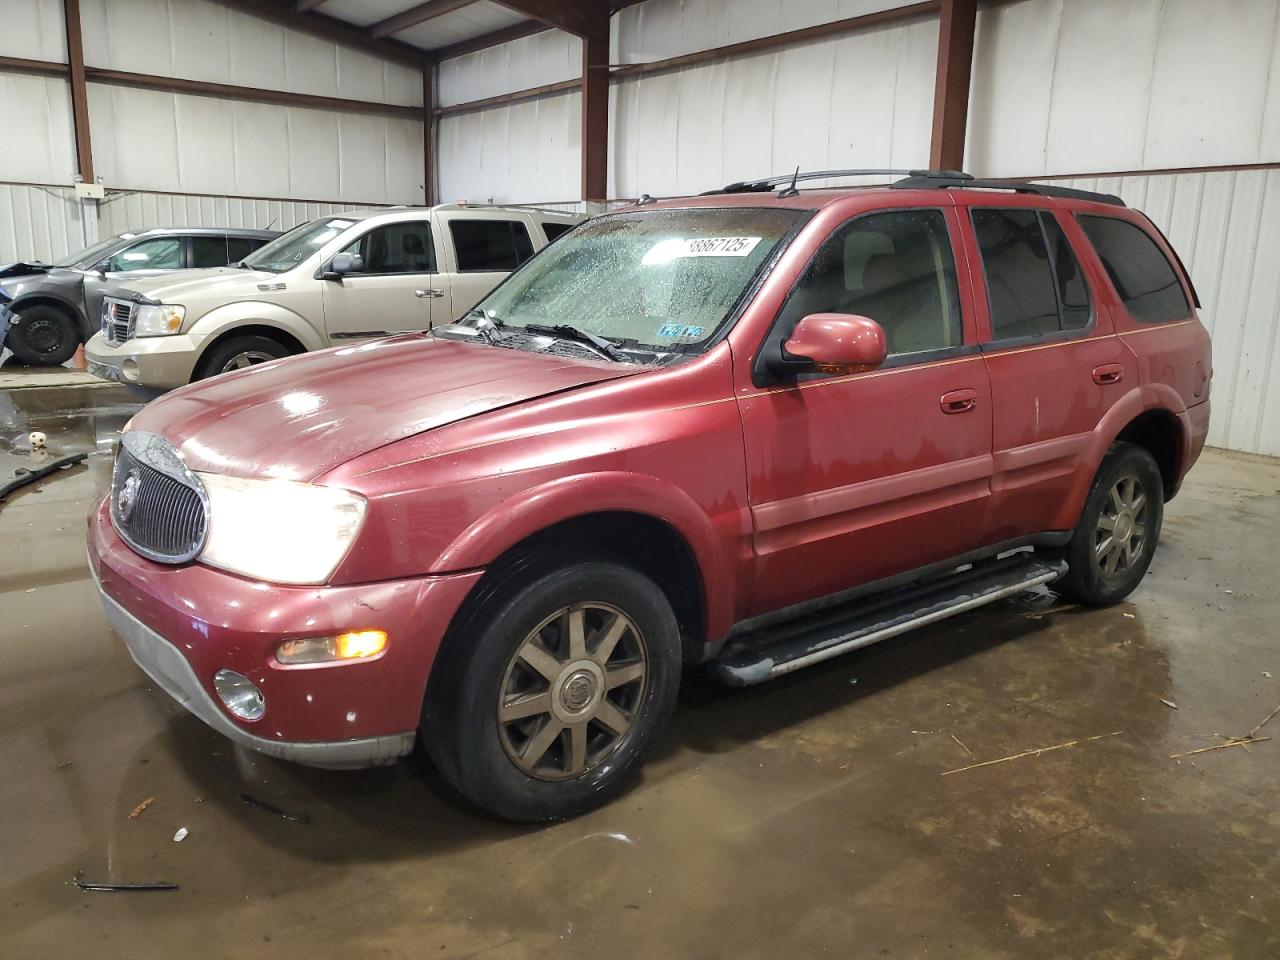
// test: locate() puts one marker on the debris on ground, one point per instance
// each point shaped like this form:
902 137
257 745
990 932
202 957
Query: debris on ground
1249 738
1169 703
272 808
24 477
963 747
137 811
63 765
1033 753
84 884
1266 675
1130 616
181 835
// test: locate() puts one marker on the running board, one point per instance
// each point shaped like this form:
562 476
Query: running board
809 640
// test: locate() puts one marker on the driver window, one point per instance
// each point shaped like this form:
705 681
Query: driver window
397 248
896 268
159 253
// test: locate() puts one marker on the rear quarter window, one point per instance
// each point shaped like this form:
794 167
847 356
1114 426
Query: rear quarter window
487 246
1143 277
553 229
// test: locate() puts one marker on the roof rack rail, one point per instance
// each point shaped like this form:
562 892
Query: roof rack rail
767 184
926 180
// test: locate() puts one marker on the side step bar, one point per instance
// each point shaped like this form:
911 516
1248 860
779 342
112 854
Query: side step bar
809 640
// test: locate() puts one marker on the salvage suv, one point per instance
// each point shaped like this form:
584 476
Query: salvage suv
352 276
755 429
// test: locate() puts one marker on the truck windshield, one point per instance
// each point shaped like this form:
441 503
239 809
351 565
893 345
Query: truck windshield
289 249
94 252
660 279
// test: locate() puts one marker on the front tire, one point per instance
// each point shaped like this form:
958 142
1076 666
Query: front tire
1112 546
43 336
550 695
240 352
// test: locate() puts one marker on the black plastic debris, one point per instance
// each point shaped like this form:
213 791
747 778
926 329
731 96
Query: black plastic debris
144 887
272 808
25 477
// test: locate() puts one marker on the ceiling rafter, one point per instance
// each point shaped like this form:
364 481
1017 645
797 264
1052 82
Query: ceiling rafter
416 15
302 6
517 31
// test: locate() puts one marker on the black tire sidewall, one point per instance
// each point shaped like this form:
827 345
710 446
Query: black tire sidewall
217 358
461 731
16 339
1085 580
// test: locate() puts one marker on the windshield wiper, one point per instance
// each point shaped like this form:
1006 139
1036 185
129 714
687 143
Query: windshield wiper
493 322
567 332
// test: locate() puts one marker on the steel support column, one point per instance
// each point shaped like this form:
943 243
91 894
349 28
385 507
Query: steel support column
79 94
595 106
951 84
428 136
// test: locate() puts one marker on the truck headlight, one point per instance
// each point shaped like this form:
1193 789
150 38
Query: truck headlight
281 531
158 320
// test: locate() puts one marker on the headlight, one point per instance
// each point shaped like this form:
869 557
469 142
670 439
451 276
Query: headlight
158 320
281 531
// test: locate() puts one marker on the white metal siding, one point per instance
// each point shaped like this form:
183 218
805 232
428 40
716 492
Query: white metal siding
547 57
1226 228
33 29
38 223
143 211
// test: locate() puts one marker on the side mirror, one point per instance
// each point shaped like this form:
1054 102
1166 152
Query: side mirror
343 264
839 343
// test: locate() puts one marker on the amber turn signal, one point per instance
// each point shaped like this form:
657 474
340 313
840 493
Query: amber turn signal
356 645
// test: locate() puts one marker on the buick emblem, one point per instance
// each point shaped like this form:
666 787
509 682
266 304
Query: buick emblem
127 498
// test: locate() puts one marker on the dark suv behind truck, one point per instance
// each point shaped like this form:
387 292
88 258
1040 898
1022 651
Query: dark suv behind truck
57 307
753 429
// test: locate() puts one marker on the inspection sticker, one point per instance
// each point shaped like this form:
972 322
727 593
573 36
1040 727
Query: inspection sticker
678 248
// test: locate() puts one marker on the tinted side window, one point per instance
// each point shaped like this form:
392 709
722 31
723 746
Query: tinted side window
1073 292
240 247
397 248
896 268
209 252
490 245
159 253
1143 277
554 229
1020 281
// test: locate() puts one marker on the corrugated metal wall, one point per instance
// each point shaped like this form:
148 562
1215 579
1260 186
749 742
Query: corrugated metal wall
142 211
40 223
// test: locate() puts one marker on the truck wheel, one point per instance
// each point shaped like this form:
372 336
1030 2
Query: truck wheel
43 335
551 693
240 352
1113 544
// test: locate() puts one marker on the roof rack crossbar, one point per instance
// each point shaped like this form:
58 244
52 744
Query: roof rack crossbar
929 181
766 184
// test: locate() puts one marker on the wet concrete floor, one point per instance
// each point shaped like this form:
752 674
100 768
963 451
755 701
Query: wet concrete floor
814 816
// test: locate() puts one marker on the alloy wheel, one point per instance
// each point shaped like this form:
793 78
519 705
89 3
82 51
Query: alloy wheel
246 358
1121 533
571 691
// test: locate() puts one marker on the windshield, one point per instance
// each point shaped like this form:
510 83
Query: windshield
289 249
663 279
95 251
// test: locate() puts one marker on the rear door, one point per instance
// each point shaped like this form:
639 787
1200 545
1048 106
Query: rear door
853 479
1054 361
482 250
392 293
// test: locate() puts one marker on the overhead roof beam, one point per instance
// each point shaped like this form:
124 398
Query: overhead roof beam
575 16
302 6
516 31
416 15
335 31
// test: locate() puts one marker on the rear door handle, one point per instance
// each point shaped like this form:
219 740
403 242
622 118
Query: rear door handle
1108 373
959 401
430 292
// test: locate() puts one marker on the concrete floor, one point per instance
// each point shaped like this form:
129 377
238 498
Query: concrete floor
804 818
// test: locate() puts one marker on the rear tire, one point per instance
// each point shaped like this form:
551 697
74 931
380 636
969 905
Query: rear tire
1112 546
43 336
239 352
549 695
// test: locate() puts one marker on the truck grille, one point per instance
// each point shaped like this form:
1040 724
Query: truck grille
158 506
117 320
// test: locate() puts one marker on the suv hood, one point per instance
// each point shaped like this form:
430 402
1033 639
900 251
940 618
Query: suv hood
301 417
221 283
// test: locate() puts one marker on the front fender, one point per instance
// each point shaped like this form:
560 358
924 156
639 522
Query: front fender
261 313
538 508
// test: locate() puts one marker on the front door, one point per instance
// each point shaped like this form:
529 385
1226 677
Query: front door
853 479
393 292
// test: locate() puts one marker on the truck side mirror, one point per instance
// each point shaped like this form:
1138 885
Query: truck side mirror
839 343
343 264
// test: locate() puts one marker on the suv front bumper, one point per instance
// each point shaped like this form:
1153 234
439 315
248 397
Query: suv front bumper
182 624
160 363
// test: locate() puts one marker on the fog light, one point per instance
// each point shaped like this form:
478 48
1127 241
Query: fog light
130 369
357 645
239 694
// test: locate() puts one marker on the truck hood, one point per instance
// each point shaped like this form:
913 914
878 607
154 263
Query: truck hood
223 284
301 417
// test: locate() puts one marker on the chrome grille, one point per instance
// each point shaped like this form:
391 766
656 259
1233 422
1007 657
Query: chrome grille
158 507
117 320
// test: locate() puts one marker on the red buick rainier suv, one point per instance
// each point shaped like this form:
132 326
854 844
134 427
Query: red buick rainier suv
755 428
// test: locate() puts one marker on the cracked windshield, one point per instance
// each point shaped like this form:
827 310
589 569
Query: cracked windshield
663 280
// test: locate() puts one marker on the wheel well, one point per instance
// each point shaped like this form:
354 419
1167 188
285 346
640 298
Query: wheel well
646 543
1160 434
254 329
39 300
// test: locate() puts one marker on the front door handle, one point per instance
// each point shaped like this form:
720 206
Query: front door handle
959 401
430 292
1108 373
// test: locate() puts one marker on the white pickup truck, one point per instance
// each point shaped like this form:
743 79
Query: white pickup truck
352 276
